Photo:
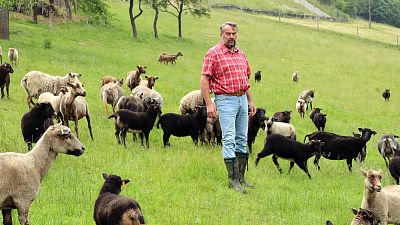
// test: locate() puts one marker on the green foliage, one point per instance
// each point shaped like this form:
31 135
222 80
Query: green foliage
47 44
96 11
195 7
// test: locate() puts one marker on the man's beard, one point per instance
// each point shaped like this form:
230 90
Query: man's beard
230 44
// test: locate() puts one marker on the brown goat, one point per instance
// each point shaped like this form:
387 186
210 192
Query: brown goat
169 58
108 79
133 78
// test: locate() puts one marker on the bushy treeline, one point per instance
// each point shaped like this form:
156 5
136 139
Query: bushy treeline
383 11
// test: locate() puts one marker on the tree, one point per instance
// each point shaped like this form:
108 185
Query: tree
94 10
133 18
155 7
4 24
194 7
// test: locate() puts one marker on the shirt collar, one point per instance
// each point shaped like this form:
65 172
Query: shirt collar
225 49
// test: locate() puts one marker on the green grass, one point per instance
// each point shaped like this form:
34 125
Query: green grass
185 184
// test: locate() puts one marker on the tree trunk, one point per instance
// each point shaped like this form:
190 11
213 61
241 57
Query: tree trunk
75 6
35 13
155 7
133 18
369 14
180 18
68 9
50 12
4 24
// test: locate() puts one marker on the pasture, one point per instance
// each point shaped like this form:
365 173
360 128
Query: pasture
185 184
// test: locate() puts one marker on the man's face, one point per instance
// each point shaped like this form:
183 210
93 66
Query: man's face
229 36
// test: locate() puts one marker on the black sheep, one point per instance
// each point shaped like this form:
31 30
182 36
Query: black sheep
286 148
386 94
183 125
257 76
35 122
283 116
319 121
112 209
5 70
363 153
255 123
394 166
313 111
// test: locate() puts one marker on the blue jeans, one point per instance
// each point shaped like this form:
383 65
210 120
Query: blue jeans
233 117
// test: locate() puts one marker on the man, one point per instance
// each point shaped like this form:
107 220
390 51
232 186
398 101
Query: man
226 73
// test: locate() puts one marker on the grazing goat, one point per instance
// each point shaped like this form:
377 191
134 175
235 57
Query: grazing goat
364 217
109 79
284 129
307 95
110 94
384 203
394 167
73 106
363 153
255 123
257 76
319 121
301 107
149 82
283 116
36 83
386 94
183 125
169 58
23 173
296 77
387 146
286 148
341 147
35 122
5 70
190 101
13 56
134 77
54 101
112 208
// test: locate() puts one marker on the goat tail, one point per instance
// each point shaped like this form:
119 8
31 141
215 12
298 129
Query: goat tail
305 137
112 116
158 123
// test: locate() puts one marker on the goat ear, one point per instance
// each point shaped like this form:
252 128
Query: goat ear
329 222
354 211
395 136
146 77
126 181
374 132
364 172
105 175
156 78
360 129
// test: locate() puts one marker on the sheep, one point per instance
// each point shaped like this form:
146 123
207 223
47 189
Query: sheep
339 147
110 94
148 93
301 107
285 129
319 121
208 135
255 123
35 122
387 146
134 77
13 56
36 83
363 153
54 100
125 120
384 203
286 148
296 77
109 79
394 167
364 217
314 111
169 58
5 70
112 208
307 95
149 82
283 116
257 76
73 106
190 101
183 125
23 173
386 94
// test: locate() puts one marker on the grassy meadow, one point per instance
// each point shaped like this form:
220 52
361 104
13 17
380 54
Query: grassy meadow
185 184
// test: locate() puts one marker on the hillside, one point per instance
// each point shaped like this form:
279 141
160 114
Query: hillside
186 184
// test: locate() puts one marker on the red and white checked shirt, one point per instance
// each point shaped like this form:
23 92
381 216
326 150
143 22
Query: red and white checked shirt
229 71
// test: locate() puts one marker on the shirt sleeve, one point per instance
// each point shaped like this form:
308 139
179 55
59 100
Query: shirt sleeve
208 62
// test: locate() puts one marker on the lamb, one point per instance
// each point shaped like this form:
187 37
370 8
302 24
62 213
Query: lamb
286 148
209 134
319 121
35 122
301 107
125 120
73 106
134 77
109 79
5 70
296 76
54 100
307 95
387 146
112 208
183 125
283 116
257 76
255 123
148 93
36 83
110 94
149 82
364 217
386 94
284 129
23 173
363 153
384 203
190 101
394 167
13 56
169 58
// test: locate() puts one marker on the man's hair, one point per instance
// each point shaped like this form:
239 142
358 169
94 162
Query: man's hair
232 24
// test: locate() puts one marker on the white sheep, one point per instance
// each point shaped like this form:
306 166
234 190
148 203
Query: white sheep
145 93
53 99
301 107
188 103
13 56
307 95
384 203
36 83
21 174
110 94
284 129
296 76
387 145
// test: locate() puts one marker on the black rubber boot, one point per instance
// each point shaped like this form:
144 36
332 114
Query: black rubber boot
232 166
243 159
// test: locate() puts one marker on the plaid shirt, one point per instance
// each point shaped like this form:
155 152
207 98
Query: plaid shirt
229 71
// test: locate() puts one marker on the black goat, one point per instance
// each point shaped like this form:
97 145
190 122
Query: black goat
319 121
183 125
286 148
363 153
257 76
255 123
394 167
341 147
283 116
35 122
386 94
313 111
5 70
112 208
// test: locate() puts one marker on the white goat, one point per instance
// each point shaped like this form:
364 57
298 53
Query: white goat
301 107
387 145
384 203
188 103
13 56
110 94
307 95
284 129
53 99
21 174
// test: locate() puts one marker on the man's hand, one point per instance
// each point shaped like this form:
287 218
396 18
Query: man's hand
211 112
252 108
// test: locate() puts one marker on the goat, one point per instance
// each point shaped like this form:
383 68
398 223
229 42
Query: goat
5 70
13 56
387 146
285 129
386 94
256 122
190 101
394 167
319 121
314 111
134 77
283 116
110 93
257 76
363 153
307 95
296 77
301 107
169 58
149 82
364 217
109 79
